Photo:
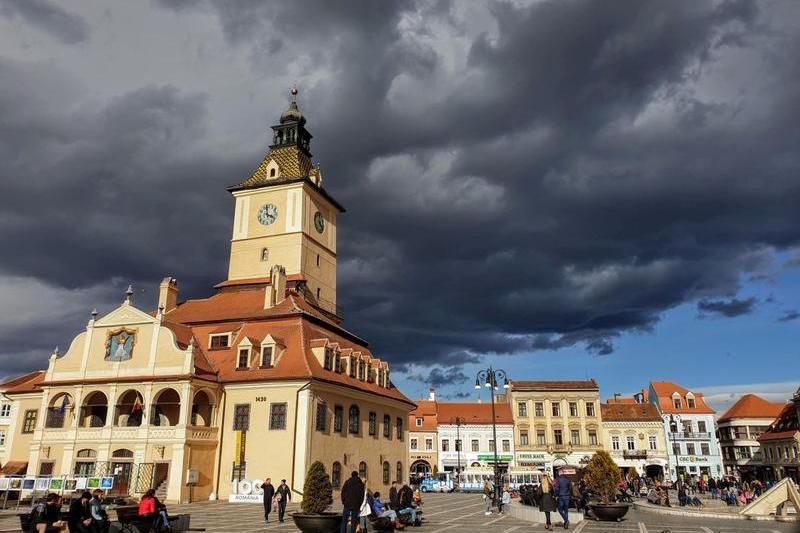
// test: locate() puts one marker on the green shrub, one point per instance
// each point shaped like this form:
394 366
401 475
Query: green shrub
602 476
317 490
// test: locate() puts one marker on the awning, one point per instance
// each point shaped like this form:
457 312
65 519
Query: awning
14 468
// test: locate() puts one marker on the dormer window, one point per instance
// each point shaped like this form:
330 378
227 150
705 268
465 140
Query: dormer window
244 358
272 173
370 376
328 361
352 367
218 342
266 356
690 402
361 370
676 402
337 362
387 382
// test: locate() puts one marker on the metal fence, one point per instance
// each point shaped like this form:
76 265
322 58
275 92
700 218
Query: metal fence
127 479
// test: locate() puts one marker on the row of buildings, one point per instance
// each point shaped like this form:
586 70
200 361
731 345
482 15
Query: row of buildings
202 398
662 431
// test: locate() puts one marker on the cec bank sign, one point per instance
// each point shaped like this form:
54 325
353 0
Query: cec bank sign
246 491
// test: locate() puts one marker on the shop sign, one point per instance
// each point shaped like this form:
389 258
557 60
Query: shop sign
490 457
246 491
532 456
693 459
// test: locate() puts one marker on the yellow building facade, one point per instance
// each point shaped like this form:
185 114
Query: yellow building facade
556 423
205 398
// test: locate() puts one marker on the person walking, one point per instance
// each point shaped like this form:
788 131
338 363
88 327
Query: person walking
269 493
505 500
563 491
488 493
394 497
284 495
352 495
547 503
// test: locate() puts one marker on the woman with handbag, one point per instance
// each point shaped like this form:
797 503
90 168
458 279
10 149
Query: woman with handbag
547 503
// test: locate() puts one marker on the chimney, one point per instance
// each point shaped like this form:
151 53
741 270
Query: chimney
276 292
168 294
432 394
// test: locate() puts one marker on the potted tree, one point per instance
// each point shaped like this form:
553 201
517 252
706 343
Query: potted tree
317 497
602 478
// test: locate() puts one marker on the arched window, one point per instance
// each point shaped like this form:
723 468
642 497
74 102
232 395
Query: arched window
122 453
399 477
202 410
130 409
336 475
84 464
265 251
60 406
94 410
355 420
166 408
362 470
386 472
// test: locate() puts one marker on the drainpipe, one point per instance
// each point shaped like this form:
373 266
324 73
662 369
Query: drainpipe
221 432
294 437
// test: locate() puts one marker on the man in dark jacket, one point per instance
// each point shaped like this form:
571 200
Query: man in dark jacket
80 517
563 490
269 492
352 497
394 498
283 494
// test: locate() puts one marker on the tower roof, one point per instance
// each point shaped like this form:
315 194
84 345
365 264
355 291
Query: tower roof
292 113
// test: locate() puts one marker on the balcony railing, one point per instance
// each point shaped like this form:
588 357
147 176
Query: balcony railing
689 435
634 454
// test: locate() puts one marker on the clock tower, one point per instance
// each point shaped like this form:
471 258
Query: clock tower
283 216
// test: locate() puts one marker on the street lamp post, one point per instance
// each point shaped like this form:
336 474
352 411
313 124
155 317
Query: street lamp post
489 378
673 428
458 421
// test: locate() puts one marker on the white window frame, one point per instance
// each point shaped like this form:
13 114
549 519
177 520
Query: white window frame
653 442
217 335
615 443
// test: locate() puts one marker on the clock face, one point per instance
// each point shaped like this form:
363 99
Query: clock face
319 222
267 214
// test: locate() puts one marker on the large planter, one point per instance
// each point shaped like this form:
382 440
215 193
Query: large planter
318 523
608 512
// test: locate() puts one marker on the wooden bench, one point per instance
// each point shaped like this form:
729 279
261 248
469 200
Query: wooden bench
130 521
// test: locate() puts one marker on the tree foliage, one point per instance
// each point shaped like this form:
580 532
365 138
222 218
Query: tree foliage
602 476
317 490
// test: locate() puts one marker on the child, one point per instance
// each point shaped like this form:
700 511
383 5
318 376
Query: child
505 500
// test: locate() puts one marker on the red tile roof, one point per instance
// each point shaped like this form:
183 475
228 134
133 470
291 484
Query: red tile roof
27 383
785 426
255 281
664 391
629 412
752 406
294 321
426 409
590 385
473 413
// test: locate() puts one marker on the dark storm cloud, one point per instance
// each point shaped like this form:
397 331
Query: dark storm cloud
437 377
62 25
727 308
519 179
790 315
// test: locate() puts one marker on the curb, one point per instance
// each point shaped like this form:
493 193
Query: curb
650 508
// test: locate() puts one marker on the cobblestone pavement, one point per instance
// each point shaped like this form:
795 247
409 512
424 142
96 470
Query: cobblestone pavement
461 513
